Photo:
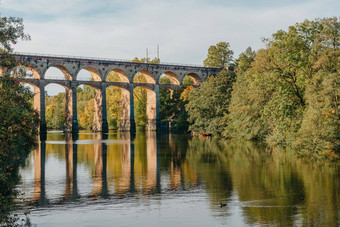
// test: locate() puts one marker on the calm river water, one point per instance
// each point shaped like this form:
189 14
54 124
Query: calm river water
173 180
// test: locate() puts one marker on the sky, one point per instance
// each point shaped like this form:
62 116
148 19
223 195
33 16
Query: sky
183 29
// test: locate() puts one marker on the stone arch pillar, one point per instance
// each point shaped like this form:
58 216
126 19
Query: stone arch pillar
100 116
71 120
75 126
68 109
152 109
39 103
128 115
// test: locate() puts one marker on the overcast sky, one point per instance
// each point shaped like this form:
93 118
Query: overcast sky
184 29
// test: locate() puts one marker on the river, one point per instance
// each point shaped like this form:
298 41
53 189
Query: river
173 180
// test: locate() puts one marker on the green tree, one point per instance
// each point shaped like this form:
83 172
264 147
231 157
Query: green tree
270 100
320 128
18 120
219 55
208 104
245 59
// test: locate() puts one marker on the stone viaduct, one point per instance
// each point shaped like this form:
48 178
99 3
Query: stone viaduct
99 69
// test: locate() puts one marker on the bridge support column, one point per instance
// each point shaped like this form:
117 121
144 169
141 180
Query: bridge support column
75 126
40 98
68 110
152 109
127 122
71 122
105 125
100 119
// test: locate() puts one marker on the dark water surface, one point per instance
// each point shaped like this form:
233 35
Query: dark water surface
173 180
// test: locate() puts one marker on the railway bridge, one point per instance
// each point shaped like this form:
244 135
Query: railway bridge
99 70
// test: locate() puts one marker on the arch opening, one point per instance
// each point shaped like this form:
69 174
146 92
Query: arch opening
144 107
191 79
57 72
118 107
144 77
22 71
85 106
169 78
116 75
88 74
57 107
90 108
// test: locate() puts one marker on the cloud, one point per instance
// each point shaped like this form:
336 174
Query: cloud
184 29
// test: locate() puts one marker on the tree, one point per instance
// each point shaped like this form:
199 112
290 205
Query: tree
245 59
18 120
144 60
270 100
320 128
208 104
219 55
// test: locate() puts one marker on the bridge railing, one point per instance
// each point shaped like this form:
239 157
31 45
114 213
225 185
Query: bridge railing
102 59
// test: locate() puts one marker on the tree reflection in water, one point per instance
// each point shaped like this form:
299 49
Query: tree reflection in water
269 188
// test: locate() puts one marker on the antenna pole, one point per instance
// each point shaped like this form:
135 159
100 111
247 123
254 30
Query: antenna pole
147 55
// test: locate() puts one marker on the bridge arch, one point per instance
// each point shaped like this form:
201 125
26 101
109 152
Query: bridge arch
121 74
64 109
195 78
143 76
58 72
173 78
82 75
26 71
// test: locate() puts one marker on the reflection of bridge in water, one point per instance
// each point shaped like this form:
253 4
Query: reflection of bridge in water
100 69
132 178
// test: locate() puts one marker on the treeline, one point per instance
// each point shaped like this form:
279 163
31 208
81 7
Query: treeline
285 94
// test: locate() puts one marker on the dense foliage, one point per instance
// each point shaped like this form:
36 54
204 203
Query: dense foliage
208 104
290 94
286 94
18 121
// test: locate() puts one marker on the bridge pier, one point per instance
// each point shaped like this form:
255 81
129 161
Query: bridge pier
105 125
152 109
100 117
75 126
40 98
71 120
127 122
